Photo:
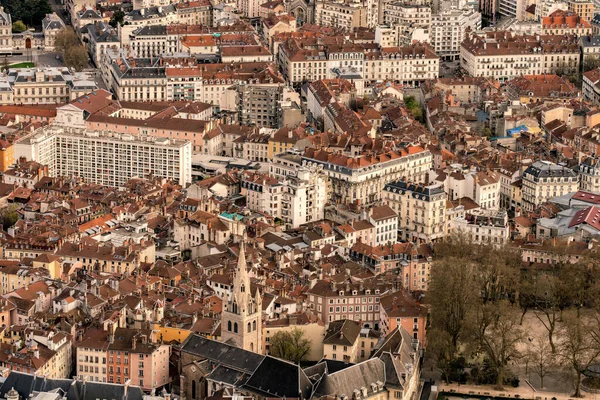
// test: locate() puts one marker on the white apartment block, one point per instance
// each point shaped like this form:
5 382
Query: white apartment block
544 180
448 29
484 226
421 210
503 56
297 198
104 157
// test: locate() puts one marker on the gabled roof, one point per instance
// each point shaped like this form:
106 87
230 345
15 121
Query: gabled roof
342 332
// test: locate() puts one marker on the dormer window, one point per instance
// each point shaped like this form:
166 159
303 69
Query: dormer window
354 292
341 292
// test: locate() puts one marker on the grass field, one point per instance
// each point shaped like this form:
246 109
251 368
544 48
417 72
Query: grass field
20 65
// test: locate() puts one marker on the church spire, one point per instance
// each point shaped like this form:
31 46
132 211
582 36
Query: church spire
241 282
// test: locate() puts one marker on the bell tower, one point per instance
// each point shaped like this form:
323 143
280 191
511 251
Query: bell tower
241 319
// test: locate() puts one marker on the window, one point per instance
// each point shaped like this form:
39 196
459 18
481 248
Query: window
235 328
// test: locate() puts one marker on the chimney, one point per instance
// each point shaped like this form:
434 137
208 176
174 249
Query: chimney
134 342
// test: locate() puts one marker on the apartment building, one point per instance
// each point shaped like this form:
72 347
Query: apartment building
402 13
136 355
360 179
157 15
47 85
332 301
421 210
448 29
513 9
105 157
99 37
385 221
14 276
409 65
484 226
345 340
134 79
296 199
399 309
584 8
590 89
258 103
589 174
546 7
562 22
341 14
544 180
502 55
195 12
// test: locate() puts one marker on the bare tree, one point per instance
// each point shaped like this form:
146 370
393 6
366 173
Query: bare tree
498 333
579 346
542 357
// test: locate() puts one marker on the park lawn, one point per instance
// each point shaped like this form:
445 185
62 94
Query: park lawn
20 65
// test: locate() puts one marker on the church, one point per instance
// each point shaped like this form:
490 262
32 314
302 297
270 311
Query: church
241 319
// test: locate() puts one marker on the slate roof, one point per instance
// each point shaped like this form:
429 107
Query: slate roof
279 378
222 353
263 375
342 332
346 381
27 384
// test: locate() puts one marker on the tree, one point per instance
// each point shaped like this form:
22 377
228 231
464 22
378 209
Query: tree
551 298
76 57
579 346
590 63
19 26
9 216
291 346
30 11
64 40
452 295
498 332
542 357
117 18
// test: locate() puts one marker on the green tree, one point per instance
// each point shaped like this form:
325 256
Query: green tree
291 346
19 26
590 63
117 18
9 216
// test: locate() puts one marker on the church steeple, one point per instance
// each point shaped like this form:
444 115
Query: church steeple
241 320
241 281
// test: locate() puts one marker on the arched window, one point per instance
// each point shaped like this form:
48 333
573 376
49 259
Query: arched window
229 326
193 389
249 327
242 288
235 328
251 346
254 325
